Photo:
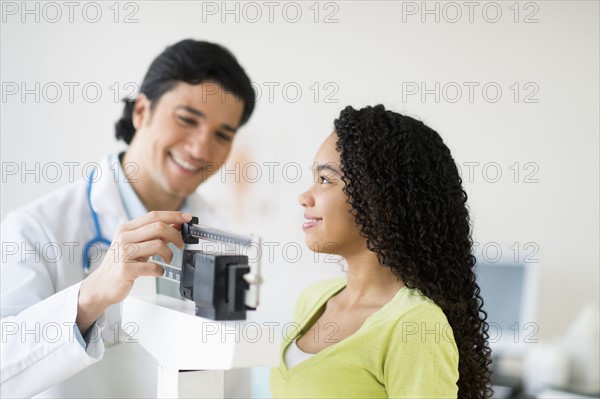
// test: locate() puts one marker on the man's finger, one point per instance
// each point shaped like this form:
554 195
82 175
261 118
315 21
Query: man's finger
146 249
140 269
168 217
153 231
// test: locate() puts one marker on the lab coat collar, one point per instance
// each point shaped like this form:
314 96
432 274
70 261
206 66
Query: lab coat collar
105 198
132 204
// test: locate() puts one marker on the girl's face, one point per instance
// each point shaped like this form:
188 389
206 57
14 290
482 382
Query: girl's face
329 226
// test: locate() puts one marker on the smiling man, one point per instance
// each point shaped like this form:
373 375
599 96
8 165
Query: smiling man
182 141
180 130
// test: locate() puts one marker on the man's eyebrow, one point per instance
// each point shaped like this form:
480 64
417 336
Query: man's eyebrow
329 167
201 114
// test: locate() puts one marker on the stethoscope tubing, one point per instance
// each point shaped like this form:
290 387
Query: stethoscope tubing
98 238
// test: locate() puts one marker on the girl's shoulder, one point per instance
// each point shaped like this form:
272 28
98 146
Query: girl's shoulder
410 304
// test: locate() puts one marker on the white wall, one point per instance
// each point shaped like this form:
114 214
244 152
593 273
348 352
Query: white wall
367 57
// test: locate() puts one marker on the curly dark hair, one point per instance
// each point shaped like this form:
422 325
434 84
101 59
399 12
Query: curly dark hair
407 199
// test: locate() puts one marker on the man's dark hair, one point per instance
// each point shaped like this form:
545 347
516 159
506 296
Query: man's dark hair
193 62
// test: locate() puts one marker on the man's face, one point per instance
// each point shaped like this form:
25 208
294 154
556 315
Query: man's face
184 138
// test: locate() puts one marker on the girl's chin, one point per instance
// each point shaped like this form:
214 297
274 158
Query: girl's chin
323 247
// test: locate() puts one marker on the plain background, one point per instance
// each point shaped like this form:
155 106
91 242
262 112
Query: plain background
368 53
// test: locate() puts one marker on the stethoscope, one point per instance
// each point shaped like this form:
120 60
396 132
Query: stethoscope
98 238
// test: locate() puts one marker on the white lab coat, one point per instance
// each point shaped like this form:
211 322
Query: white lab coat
40 277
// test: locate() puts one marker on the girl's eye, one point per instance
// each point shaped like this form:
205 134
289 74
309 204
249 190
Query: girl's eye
324 180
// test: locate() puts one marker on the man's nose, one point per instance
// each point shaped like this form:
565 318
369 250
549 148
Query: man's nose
200 145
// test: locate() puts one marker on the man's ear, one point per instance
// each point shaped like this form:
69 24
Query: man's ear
141 111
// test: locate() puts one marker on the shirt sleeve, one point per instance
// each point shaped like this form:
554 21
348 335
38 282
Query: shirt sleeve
84 341
422 357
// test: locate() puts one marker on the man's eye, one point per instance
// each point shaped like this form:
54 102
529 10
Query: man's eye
187 121
223 136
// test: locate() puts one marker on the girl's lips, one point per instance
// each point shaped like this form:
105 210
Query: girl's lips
311 222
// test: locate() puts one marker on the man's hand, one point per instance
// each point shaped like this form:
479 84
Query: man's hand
127 259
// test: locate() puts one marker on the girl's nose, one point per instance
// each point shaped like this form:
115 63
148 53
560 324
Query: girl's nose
306 199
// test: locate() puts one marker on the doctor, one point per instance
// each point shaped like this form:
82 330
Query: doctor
71 257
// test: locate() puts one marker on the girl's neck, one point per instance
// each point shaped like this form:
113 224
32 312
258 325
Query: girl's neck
368 282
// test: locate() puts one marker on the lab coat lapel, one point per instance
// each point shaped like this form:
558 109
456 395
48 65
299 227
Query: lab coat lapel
107 203
106 200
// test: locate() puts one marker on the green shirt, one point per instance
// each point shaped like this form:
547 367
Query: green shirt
404 350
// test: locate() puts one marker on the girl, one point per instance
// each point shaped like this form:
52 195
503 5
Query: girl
406 321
